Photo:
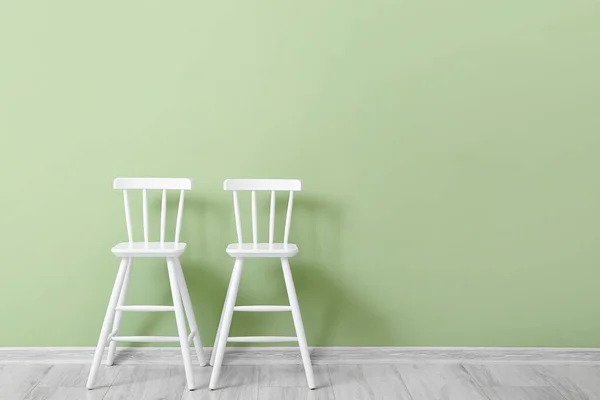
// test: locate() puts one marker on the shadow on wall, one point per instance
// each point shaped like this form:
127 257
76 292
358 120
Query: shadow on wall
332 314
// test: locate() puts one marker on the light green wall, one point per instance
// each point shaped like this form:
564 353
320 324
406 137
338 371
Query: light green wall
449 152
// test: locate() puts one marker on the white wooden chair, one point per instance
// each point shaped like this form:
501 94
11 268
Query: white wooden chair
271 249
171 251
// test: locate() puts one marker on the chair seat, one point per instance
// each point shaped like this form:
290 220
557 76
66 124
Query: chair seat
262 250
150 249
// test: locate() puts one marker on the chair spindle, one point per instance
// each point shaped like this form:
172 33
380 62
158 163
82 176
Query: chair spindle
272 218
127 216
145 211
254 223
179 216
288 218
163 215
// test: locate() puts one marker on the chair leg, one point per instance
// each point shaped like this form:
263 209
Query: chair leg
216 343
112 347
108 319
181 327
189 311
289 283
226 321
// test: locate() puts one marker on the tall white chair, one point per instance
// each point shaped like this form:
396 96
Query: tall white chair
171 251
271 249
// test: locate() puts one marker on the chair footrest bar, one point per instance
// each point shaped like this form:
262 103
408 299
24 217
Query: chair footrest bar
191 336
145 339
112 334
262 308
145 308
262 339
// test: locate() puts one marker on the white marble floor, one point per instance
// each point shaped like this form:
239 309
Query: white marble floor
424 381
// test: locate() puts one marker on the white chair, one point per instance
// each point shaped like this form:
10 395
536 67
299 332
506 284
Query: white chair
171 251
271 249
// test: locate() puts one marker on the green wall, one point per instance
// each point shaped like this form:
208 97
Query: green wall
449 153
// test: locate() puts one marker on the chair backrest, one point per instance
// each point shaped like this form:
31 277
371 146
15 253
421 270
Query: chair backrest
255 185
145 184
